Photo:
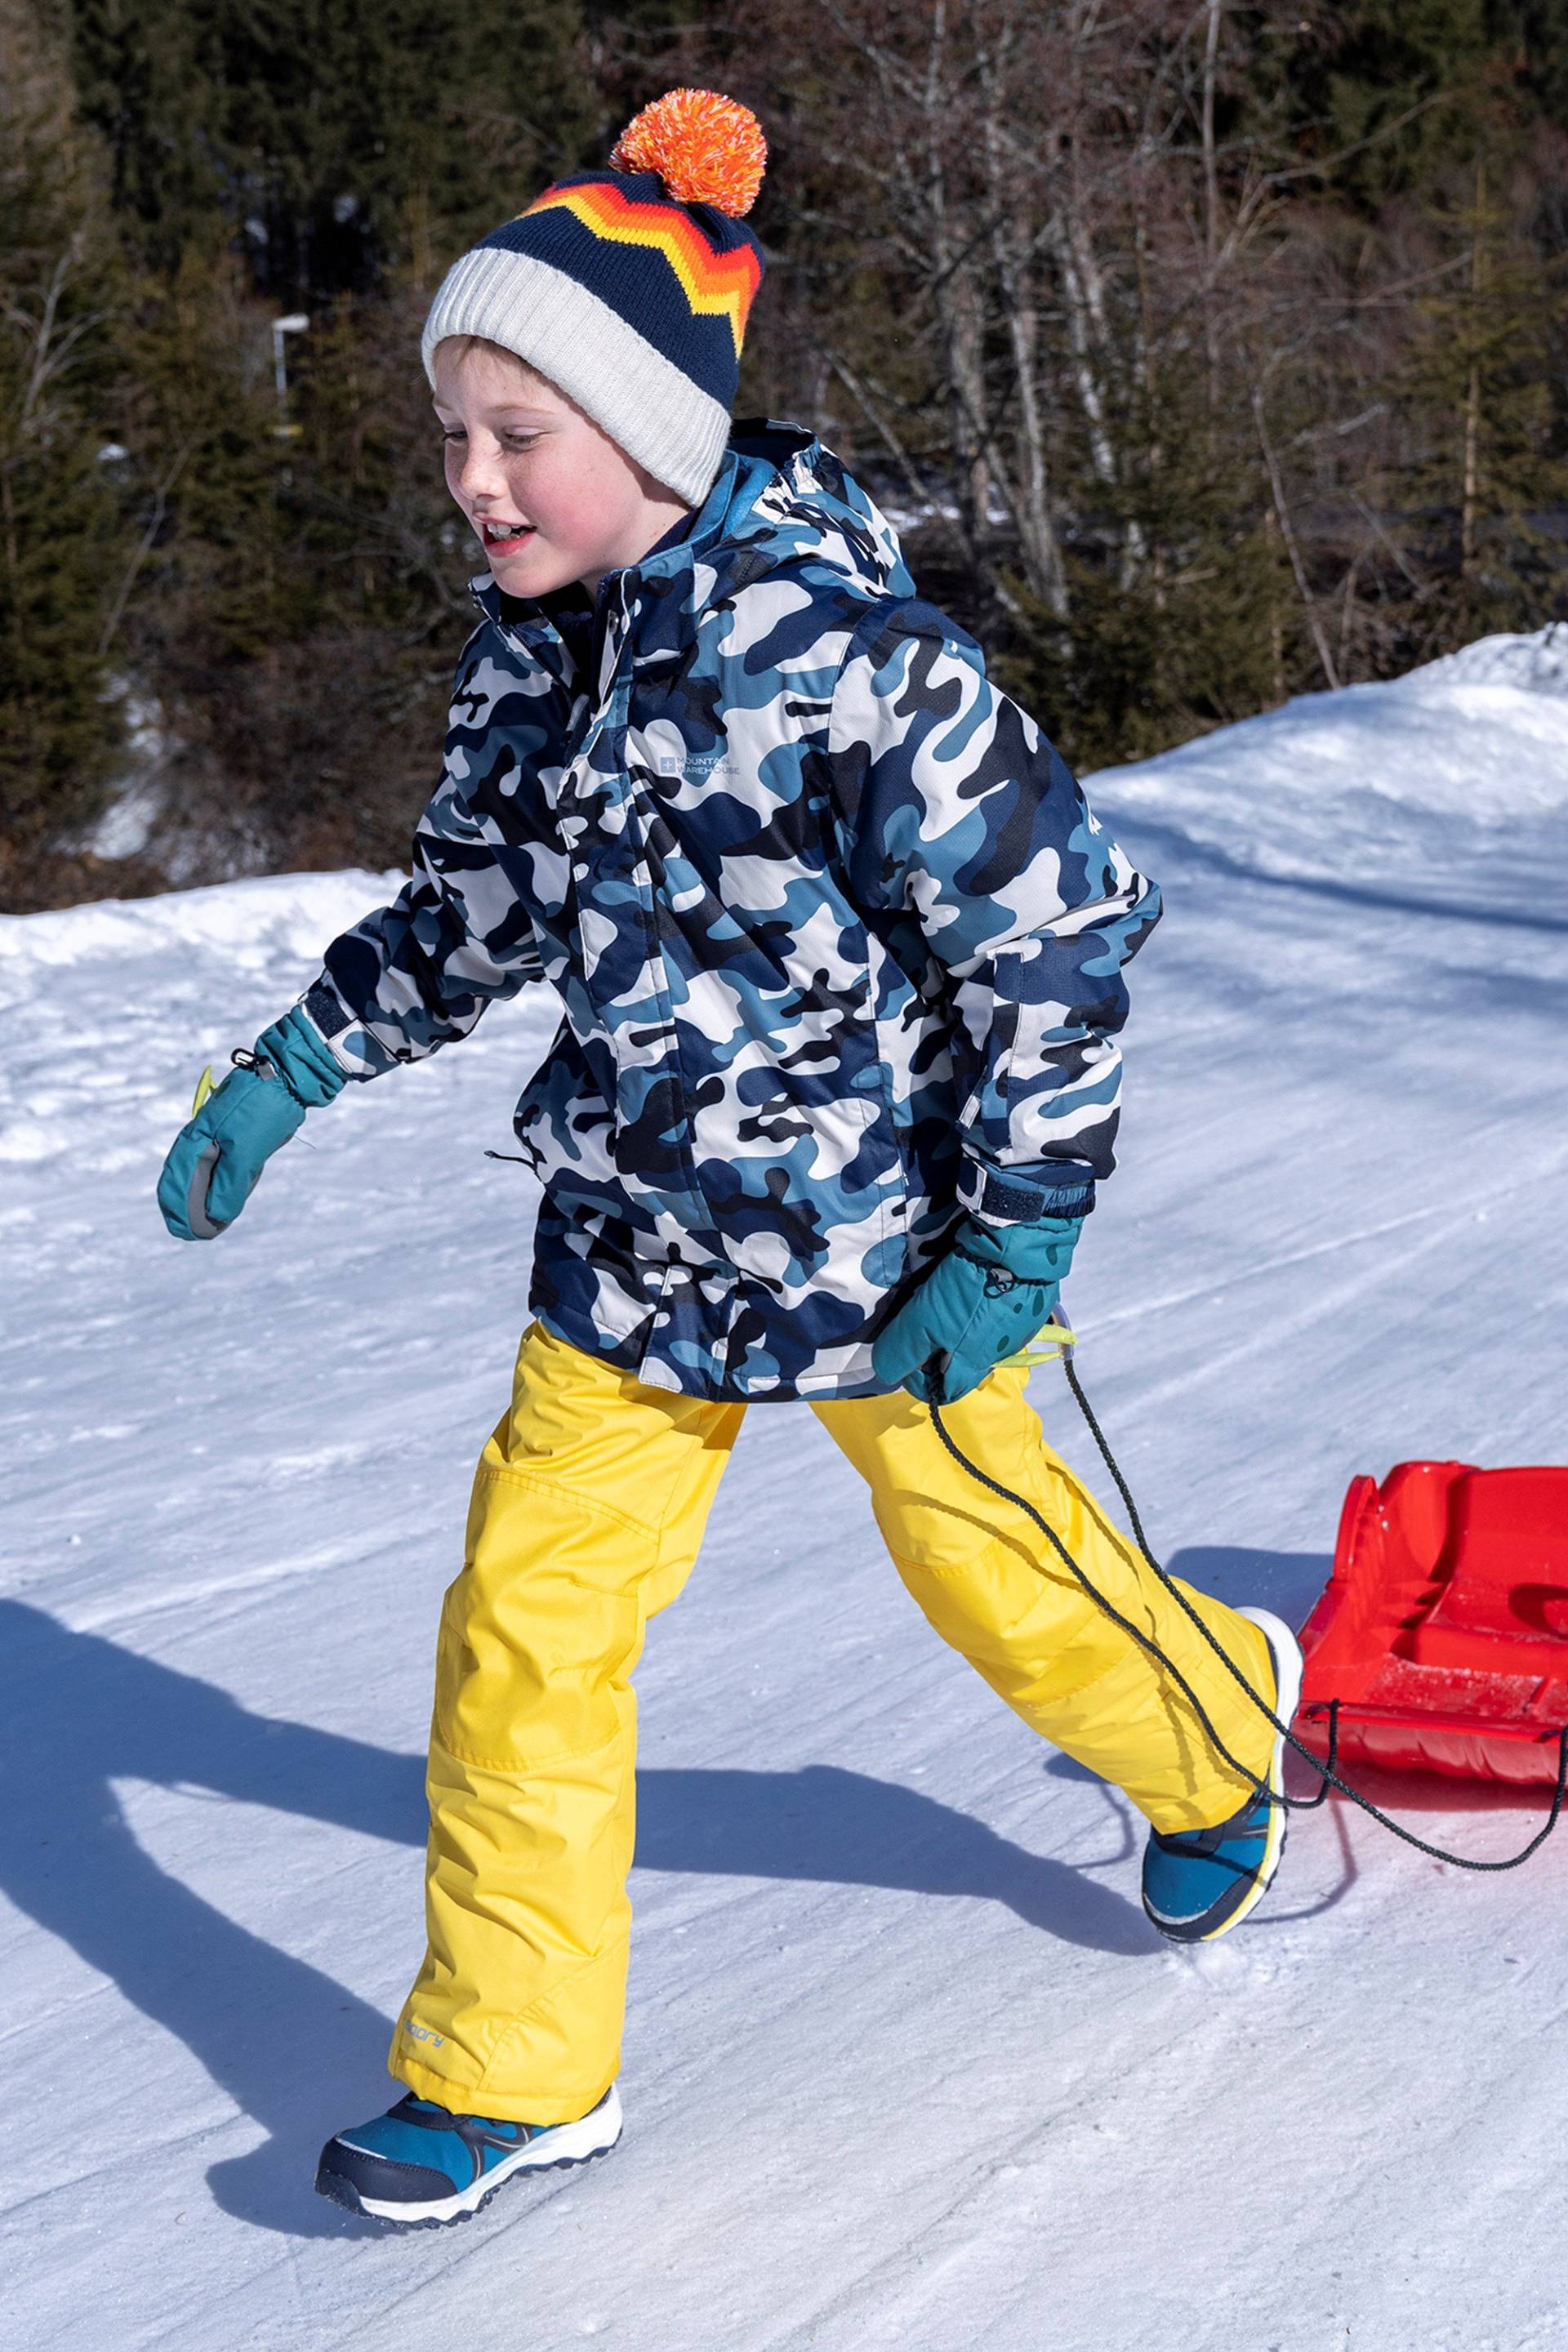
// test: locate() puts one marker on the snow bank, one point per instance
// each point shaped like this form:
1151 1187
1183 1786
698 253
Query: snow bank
250 921
1452 780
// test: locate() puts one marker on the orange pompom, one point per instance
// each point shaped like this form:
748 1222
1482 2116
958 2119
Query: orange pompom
706 148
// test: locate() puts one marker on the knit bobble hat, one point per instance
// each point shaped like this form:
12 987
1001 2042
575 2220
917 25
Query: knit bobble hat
630 287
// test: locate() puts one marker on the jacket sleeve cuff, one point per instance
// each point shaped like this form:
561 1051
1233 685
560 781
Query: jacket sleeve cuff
1016 1196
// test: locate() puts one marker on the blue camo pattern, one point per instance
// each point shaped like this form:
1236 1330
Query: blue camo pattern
838 940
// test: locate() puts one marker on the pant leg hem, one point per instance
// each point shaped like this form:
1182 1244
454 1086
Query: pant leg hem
469 2099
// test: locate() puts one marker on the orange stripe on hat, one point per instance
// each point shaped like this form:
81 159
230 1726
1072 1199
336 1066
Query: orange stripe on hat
719 284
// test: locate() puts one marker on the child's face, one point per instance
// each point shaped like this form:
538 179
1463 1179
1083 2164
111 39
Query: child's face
550 496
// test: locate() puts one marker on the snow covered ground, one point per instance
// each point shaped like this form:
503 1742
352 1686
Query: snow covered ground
904 2065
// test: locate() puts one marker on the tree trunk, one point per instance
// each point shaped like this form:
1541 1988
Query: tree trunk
1469 496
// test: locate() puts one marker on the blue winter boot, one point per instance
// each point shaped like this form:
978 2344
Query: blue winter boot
1199 1882
418 2165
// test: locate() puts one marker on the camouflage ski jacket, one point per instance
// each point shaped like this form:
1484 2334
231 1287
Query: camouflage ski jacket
838 942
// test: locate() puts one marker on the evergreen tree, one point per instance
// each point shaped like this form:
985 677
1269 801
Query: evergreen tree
1204 629
299 567
148 74
1380 88
1488 471
305 601
63 545
338 144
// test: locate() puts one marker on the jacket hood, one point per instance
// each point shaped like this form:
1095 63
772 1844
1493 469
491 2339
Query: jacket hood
780 494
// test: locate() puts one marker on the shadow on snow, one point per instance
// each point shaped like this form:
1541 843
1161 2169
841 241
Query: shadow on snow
282 2039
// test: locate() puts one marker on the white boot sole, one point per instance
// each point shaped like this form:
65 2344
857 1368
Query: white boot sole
563 2143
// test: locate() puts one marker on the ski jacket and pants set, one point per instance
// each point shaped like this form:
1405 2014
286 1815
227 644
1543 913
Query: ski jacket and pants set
838 945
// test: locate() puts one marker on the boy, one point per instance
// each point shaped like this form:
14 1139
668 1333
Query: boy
838 944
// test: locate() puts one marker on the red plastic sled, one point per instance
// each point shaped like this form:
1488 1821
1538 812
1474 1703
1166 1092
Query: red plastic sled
1443 1632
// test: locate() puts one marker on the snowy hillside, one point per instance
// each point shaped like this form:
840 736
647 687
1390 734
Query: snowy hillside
904 2066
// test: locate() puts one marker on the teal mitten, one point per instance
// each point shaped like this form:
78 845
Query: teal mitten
984 1300
216 1159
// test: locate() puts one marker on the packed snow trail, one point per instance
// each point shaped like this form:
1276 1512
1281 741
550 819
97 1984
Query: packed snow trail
904 2064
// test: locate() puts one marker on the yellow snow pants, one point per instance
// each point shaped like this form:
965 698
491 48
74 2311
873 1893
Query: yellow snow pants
588 1508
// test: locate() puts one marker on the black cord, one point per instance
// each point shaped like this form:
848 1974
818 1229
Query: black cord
1325 1770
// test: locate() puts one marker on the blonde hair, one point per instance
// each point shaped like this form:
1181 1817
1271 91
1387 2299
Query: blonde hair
460 346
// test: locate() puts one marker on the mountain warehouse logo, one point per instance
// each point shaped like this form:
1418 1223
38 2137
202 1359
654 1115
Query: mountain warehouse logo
695 765
418 2032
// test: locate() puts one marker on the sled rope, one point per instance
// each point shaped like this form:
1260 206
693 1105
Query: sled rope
1324 1768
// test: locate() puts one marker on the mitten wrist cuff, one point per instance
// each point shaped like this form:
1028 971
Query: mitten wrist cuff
1040 1251
298 1054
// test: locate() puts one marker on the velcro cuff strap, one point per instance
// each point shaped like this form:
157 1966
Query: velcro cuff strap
1015 1199
321 1004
